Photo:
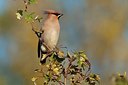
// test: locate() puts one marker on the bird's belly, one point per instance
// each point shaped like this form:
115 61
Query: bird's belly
51 38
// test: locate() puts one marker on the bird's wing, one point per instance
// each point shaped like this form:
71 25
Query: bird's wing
39 49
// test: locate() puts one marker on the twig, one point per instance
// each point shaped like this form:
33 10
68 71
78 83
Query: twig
60 82
66 71
65 76
26 5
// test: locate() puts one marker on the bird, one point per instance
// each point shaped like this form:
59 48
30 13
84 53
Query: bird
48 38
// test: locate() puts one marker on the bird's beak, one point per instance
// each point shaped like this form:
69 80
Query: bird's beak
60 15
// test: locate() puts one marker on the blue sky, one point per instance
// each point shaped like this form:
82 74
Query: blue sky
2 6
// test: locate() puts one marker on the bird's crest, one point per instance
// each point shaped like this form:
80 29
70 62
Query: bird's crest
52 12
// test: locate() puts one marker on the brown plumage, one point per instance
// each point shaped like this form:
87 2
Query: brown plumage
50 35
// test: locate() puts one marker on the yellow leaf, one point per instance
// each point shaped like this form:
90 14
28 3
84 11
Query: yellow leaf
18 16
34 79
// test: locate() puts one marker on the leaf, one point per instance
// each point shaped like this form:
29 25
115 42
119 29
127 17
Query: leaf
83 55
56 70
55 57
19 14
32 1
52 56
79 62
80 52
37 70
39 19
74 69
74 66
30 17
47 77
97 78
60 59
34 79
68 55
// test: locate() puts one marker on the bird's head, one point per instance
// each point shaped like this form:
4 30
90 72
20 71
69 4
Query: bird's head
52 12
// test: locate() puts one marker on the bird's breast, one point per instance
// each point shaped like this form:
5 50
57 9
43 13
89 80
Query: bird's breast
50 37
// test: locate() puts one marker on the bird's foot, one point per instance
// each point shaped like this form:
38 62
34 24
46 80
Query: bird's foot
38 33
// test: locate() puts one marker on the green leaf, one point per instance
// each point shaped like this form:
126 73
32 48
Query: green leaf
52 56
47 77
79 62
82 54
30 17
32 1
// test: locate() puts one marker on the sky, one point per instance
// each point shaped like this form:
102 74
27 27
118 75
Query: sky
3 5
6 74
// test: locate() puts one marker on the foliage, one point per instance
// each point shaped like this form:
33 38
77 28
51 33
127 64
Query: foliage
30 17
119 79
72 69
